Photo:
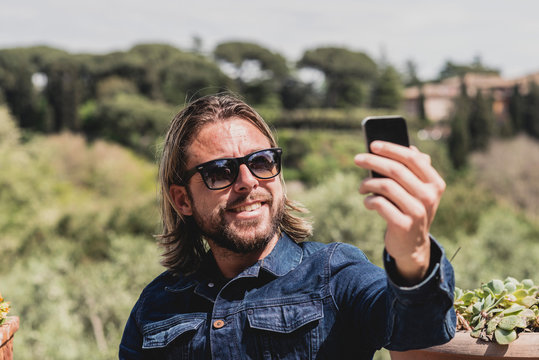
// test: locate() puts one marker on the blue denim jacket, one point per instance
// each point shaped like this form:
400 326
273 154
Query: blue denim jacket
303 301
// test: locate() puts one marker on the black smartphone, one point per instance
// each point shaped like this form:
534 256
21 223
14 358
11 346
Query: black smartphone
386 128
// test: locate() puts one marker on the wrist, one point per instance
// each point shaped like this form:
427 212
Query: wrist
412 269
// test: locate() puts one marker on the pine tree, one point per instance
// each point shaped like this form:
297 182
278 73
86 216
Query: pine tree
386 93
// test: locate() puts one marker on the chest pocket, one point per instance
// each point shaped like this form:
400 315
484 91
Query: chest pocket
288 331
172 338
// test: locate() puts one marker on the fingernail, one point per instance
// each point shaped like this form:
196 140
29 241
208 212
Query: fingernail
376 145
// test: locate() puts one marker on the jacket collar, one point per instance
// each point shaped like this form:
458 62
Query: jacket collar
284 257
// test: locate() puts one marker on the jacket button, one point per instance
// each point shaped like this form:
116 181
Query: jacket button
217 324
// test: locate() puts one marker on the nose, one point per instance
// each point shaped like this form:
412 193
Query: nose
245 181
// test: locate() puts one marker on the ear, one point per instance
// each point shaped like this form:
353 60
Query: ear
181 199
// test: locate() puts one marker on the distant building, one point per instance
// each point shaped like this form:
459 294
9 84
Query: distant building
438 97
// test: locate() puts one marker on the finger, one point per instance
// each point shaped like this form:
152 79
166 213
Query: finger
393 170
389 212
397 195
401 187
415 160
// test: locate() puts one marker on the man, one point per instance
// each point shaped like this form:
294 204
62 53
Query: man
260 291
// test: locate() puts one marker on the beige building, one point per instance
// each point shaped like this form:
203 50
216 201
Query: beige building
439 97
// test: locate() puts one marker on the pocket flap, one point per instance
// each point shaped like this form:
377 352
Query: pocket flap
285 318
161 333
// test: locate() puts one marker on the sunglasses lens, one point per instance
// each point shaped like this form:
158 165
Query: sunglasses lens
220 173
265 164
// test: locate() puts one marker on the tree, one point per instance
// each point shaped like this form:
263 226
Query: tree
63 93
458 140
516 110
410 74
348 74
190 76
451 69
531 120
16 72
259 72
387 90
480 122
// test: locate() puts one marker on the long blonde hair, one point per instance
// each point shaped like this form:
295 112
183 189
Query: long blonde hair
181 238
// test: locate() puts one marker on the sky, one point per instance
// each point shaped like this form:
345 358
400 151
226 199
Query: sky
502 33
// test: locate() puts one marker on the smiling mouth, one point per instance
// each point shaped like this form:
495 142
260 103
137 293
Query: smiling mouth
250 207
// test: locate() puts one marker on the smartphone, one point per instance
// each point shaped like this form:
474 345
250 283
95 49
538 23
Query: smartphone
386 128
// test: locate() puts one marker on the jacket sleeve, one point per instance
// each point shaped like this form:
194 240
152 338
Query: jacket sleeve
131 344
423 314
384 314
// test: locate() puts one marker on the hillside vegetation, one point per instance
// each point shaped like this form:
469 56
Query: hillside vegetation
77 219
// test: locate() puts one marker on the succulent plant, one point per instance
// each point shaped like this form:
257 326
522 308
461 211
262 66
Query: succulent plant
499 310
4 308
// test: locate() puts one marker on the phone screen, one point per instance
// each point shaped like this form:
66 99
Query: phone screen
386 128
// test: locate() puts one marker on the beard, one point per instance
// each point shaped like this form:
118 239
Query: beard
241 236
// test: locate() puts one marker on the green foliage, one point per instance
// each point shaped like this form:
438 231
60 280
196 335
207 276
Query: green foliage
531 120
498 310
348 74
75 226
237 53
480 122
516 110
318 118
191 76
131 120
312 156
259 72
504 243
451 69
387 90
459 138
460 209
338 214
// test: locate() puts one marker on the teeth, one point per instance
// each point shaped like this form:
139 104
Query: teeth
248 207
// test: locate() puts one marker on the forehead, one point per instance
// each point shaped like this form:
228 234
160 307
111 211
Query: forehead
233 137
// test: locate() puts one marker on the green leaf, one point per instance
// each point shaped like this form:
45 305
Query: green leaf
510 287
510 279
528 301
520 293
480 324
476 333
504 337
493 324
512 321
467 297
496 286
513 309
528 283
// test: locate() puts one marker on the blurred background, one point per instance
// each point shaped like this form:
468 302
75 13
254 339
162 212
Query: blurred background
87 91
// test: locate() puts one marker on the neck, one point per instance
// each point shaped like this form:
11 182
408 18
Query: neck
231 263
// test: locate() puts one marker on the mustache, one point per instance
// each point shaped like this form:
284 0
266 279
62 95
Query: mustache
265 197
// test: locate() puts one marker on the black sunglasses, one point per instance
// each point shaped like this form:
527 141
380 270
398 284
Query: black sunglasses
221 173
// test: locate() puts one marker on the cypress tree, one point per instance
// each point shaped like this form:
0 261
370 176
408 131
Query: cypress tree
516 110
459 139
480 122
531 119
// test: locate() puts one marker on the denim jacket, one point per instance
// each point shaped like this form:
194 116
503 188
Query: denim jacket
303 301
